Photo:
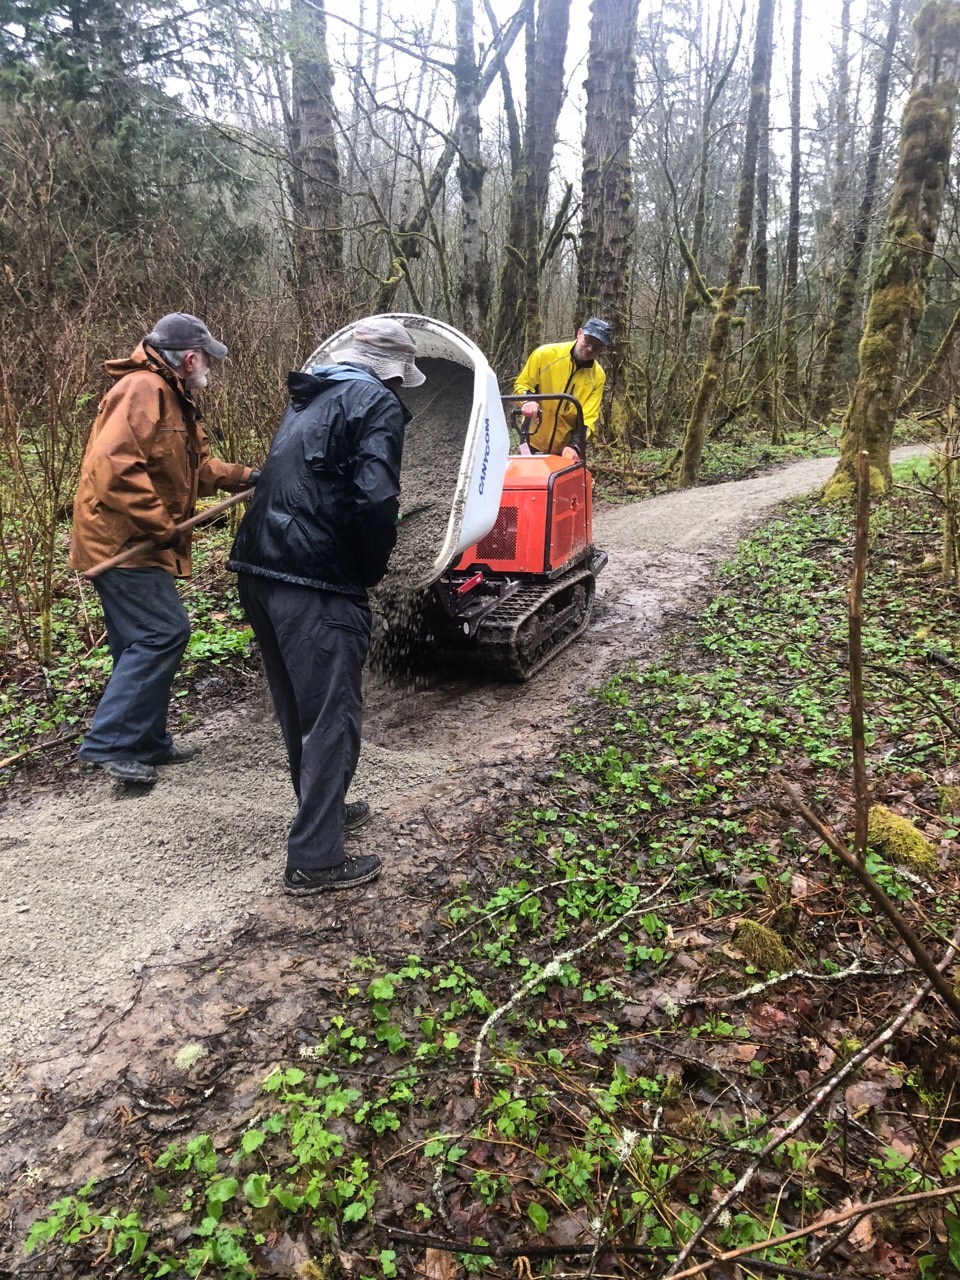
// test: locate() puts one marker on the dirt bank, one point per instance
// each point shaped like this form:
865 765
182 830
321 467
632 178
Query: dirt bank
116 906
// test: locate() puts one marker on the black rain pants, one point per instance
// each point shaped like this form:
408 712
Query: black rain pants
313 644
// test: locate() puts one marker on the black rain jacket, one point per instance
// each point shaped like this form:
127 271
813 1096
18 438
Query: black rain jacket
324 513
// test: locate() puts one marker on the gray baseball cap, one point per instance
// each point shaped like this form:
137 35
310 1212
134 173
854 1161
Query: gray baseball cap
182 332
599 329
386 347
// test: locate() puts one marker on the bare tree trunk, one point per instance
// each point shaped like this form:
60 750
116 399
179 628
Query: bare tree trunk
791 361
847 289
905 257
608 224
720 332
406 240
317 203
840 189
695 294
474 281
924 383
762 364
518 311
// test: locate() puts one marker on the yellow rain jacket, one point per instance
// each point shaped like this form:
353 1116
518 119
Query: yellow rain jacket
551 370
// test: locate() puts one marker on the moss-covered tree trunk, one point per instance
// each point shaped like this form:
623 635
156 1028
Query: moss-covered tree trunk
791 359
847 289
474 278
518 311
608 224
723 317
906 253
760 337
316 190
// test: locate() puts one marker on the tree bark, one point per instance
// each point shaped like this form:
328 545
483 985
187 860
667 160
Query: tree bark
762 364
474 285
847 288
608 225
791 360
722 320
316 190
906 254
518 312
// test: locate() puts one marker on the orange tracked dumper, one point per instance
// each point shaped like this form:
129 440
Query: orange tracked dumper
525 590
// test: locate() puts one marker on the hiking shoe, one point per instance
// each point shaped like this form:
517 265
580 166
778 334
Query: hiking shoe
176 755
126 769
355 814
350 872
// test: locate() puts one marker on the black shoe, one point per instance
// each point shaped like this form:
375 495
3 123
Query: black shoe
176 755
350 872
355 814
126 769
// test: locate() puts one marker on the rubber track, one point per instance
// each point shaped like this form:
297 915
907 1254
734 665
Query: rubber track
498 634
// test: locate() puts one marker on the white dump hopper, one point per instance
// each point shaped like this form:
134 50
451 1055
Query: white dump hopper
455 449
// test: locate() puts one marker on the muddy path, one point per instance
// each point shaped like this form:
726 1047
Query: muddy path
132 923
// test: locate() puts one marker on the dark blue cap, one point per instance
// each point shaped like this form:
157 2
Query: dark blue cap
599 329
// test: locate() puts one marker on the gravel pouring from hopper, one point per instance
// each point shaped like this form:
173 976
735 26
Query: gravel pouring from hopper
432 456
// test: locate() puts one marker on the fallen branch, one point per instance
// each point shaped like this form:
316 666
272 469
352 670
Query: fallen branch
38 746
831 1220
547 1251
825 1090
942 987
550 971
856 970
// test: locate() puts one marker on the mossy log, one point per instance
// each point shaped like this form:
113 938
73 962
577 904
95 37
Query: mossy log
764 949
897 839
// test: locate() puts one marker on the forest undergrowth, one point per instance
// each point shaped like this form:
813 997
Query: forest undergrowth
659 1023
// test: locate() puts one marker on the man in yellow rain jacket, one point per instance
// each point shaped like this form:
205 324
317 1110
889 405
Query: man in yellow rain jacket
569 368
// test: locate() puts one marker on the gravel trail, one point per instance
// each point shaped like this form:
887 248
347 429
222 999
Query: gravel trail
101 883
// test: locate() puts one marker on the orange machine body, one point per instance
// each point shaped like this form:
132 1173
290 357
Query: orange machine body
545 521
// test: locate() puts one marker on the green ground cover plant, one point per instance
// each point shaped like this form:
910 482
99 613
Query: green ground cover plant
596 1061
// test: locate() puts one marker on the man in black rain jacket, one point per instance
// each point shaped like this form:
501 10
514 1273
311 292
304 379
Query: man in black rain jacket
316 536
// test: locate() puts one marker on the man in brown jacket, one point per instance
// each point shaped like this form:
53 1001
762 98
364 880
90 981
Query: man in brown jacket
146 463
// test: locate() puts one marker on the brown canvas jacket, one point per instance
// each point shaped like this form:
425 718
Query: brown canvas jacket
146 462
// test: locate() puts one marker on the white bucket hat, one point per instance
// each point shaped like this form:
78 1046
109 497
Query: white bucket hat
386 347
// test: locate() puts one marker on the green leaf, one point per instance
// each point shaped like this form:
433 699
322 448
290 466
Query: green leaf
252 1140
222 1189
381 988
538 1216
255 1190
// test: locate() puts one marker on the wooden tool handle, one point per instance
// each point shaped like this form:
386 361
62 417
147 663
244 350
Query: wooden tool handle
202 517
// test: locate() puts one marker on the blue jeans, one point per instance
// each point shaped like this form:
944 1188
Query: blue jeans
148 630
